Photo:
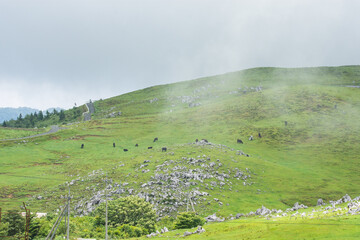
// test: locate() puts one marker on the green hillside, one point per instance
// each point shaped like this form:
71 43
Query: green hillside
315 155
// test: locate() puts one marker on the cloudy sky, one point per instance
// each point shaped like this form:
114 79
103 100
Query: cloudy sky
56 53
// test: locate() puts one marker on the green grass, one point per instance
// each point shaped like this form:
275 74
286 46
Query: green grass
332 228
11 133
315 156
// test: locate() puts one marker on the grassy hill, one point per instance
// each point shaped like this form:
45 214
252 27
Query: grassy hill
316 155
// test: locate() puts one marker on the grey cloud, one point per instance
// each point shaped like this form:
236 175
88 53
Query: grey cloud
92 49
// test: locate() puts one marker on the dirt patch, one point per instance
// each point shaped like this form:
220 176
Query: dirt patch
39 164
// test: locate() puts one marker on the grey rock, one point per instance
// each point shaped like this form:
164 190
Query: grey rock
199 230
164 230
187 233
239 215
214 218
262 211
346 198
320 202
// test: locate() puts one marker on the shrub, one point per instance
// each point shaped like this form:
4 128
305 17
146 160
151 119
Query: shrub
130 210
127 231
188 220
16 223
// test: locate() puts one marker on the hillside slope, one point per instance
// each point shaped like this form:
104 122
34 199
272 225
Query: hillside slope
315 154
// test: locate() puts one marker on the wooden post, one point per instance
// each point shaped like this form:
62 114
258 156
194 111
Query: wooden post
106 211
27 222
68 220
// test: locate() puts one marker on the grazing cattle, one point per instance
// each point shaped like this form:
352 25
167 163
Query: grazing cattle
205 140
82 145
149 147
335 106
239 141
197 140
136 145
125 150
164 149
285 123
155 139
113 144
251 138
259 135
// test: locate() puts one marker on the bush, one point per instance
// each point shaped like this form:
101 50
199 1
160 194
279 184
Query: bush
127 231
130 210
188 220
16 223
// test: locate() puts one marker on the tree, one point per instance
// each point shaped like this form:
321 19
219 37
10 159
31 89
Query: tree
40 116
62 115
47 114
130 210
4 124
188 220
16 223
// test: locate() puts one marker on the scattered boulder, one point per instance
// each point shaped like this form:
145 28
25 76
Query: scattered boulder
320 202
164 230
214 218
298 206
199 230
187 233
262 211
154 100
113 114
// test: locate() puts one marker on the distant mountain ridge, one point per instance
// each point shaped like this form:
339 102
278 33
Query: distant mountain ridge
8 113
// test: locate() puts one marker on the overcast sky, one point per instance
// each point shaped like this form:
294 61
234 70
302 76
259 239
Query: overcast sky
56 53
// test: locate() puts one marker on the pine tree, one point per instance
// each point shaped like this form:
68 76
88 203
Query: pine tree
40 116
62 115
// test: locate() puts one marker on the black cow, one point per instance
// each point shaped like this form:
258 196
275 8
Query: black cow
82 145
285 123
164 149
259 135
136 145
113 144
239 141
197 140
125 150
149 147
155 139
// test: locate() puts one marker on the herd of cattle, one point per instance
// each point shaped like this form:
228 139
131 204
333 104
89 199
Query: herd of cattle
164 149
136 145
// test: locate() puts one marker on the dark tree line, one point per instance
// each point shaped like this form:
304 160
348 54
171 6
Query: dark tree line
40 119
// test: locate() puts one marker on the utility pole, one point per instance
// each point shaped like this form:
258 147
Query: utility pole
106 211
68 220
27 222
